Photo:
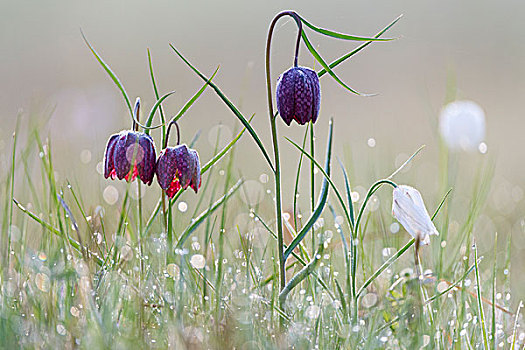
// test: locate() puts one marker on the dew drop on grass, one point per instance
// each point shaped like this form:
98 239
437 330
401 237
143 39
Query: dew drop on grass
173 271
263 178
182 206
126 253
371 142
110 195
42 282
312 311
198 261
394 227
442 286
369 300
100 168
74 311
482 148
42 256
61 329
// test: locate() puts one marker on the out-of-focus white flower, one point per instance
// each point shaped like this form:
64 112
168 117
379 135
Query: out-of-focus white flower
408 208
462 125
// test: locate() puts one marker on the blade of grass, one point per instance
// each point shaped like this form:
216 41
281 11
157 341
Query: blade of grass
322 197
111 74
481 314
232 107
322 62
361 47
198 220
53 230
337 35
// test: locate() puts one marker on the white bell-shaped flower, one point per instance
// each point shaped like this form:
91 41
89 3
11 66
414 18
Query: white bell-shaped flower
408 208
462 125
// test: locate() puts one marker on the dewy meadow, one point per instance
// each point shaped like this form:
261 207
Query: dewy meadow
183 252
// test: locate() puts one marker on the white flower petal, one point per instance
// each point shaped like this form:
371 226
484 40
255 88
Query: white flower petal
409 209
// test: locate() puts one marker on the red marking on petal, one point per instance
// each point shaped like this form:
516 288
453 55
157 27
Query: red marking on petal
174 188
113 174
134 174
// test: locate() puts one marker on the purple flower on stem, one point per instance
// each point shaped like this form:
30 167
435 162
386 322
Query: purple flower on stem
130 154
298 95
177 168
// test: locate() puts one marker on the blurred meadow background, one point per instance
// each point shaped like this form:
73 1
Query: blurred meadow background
445 50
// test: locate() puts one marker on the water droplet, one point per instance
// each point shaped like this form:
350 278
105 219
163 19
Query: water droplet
110 195
198 261
263 178
100 168
394 227
42 256
74 311
369 300
371 142
173 270
312 311
182 206
61 329
482 148
42 282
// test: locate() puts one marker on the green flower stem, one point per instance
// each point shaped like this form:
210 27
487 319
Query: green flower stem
277 171
353 248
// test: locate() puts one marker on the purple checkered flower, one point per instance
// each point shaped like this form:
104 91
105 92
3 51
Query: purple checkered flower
298 95
130 154
177 168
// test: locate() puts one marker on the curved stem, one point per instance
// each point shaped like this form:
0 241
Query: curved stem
135 117
172 122
277 171
353 248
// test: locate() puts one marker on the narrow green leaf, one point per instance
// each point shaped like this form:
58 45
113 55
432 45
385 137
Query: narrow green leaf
147 127
450 287
232 107
195 97
321 202
348 193
112 75
157 96
361 47
337 35
198 220
481 314
322 62
76 245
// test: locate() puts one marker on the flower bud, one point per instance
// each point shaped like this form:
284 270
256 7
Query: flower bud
177 168
130 154
408 208
298 95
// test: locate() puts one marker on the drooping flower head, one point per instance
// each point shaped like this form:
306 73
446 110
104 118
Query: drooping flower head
298 95
408 208
177 168
130 154
462 125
